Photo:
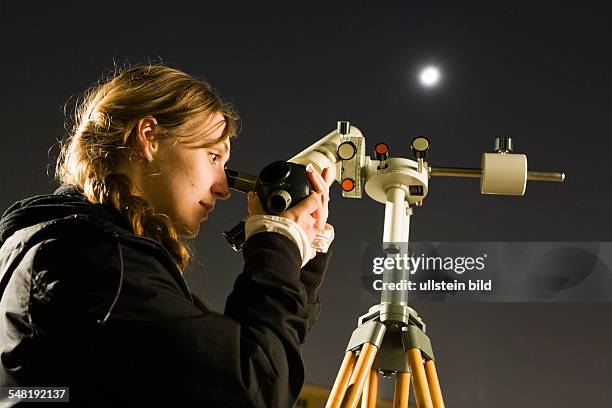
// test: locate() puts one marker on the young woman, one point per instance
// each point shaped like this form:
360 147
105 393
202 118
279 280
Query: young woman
91 285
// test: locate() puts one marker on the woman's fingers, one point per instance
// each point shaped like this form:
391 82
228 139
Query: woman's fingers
308 205
304 212
329 176
311 232
315 178
311 212
254 204
319 184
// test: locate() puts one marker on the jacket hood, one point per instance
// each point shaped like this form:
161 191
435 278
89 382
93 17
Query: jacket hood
65 201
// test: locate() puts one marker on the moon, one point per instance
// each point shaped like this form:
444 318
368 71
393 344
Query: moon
430 76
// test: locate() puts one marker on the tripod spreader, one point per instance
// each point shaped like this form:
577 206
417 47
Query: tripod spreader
391 340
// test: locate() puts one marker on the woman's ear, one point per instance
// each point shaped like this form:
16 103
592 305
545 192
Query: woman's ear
146 131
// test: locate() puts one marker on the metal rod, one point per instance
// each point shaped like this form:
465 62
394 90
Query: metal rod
395 216
546 176
395 240
477 173
455 172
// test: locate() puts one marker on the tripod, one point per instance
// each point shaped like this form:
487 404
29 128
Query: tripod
390 338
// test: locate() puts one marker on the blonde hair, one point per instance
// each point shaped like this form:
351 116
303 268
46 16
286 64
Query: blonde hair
102 141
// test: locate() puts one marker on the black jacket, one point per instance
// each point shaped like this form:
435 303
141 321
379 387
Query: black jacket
86 303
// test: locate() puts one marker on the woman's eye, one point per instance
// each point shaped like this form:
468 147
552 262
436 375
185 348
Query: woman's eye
214 156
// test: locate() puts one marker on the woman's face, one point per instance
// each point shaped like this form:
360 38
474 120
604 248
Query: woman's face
188 180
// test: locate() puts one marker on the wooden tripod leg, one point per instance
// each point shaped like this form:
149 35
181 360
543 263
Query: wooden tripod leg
402 390
421 389
370 392
342 380
434 384
360 374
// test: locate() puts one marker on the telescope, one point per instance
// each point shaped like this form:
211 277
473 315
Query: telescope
391 337
283 184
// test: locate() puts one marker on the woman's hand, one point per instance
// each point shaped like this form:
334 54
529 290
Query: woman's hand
310 213
321 184
302 213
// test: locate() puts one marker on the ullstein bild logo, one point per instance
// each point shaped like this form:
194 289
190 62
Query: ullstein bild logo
432 285
412 264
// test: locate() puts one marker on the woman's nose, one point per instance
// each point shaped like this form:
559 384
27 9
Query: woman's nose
221 189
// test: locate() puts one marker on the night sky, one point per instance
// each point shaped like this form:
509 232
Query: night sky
539 75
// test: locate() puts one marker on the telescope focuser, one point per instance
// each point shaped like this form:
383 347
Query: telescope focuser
279 186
